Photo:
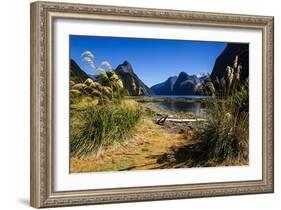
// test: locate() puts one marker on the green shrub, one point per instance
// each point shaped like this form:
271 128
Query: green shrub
99 126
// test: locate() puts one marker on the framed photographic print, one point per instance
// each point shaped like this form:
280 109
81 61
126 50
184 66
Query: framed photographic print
135 104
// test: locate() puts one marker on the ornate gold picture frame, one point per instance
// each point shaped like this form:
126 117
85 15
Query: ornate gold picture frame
43 15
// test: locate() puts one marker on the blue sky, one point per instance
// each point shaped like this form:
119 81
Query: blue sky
153 60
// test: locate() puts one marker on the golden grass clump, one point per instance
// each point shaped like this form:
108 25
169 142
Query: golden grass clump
101 126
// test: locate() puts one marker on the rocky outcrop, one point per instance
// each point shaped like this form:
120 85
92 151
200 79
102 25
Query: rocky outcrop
131 81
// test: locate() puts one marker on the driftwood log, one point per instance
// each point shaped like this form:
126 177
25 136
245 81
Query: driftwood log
185 120
163 118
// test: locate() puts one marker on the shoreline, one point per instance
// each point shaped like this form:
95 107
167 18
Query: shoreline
158 111
146 99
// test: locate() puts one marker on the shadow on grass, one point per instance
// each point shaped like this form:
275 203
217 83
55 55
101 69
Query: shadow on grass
136 167
184 157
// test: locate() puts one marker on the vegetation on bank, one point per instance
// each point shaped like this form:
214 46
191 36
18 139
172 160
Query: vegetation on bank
99 115
167 99
99 126
225 136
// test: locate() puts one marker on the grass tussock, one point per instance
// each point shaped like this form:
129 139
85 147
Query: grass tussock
99 126
224 137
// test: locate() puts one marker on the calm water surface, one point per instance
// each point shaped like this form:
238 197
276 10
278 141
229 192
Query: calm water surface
181 106
195 108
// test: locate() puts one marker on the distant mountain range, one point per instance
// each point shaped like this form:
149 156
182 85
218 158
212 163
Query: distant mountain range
183 84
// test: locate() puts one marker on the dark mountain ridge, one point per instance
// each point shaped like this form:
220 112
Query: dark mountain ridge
77 75
183 84
132 83
227 58
165 88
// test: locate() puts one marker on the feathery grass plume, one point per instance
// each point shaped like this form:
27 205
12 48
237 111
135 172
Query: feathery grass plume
87 53
88 82
106 64
238 72
90 62
112 80
79 86
88 56
100 70
95 85
107 76
115 80
74 93
88 90
228 77
96 93
103 78
88 59
71 83
106 91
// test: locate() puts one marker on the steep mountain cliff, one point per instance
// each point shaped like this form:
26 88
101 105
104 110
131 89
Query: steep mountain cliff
131 81
185 84
228 57
77 75
231 68
165 88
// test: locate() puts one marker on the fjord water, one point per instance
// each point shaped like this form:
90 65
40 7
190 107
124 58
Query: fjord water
176 105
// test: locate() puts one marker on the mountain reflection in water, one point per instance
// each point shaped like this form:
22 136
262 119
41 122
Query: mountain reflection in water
194 107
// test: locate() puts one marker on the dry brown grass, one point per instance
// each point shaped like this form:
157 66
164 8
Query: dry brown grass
84 103
129 103
140 152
